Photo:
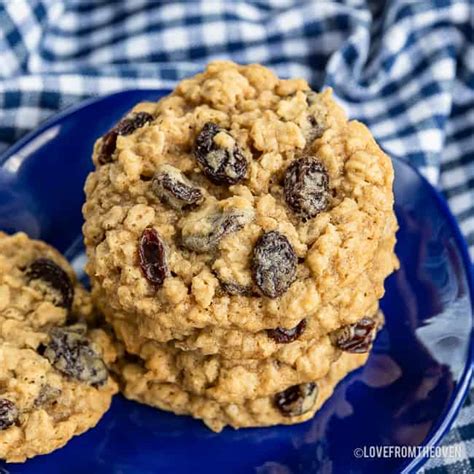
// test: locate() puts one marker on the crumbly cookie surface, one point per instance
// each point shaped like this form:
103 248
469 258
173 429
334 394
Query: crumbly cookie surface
237 380
296 405
240 201
232 366
54 383
353 302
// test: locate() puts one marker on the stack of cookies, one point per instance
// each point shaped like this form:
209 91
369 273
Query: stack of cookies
239 232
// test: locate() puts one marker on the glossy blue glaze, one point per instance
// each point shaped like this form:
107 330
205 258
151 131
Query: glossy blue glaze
408 393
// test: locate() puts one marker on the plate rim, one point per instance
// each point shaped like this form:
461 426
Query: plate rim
457 399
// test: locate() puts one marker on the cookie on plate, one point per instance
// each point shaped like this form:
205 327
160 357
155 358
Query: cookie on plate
239 232
293 405
352 303
54 382
239 201
237 380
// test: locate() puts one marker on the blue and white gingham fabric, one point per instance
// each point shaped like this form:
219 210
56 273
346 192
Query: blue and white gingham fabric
404 67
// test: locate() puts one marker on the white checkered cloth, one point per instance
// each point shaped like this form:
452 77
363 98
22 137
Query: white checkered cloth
406 68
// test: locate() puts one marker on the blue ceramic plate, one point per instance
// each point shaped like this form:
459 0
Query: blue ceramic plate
408 393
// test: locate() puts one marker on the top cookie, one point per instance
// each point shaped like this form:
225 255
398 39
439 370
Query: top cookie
240 200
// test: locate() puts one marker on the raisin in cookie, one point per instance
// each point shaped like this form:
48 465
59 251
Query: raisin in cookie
239 201
54 382
350 305
293 405
353 302
236 380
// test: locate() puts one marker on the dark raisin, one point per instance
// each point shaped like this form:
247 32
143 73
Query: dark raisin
151 251
50 272
274 264
8 413
173 188
236 289
219 165
126 126
71 353
132 122
212 228
356 337
284 336
306 187
297 400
